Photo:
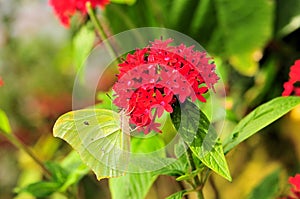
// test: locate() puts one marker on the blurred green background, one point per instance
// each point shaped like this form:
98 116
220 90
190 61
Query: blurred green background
253 43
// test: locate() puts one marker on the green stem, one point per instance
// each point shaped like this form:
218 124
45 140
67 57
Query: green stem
189 154
99 28
95 20
207 173
200 194
18 144
198 185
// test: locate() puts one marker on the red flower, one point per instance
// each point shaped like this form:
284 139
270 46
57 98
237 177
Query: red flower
290 87
163 102
152 79
295 189
65 9
295 182
1 82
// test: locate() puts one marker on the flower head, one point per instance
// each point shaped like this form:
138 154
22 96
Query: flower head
65 9
290 86
152 79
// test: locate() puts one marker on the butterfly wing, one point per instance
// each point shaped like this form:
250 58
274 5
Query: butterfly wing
96 134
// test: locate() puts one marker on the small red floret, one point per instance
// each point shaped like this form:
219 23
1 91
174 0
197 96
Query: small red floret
289 86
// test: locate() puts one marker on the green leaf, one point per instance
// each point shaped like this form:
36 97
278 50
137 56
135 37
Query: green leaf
128 2
245 21
41 189
58 173
133 186
288 17
63 175
96 135
203 21
214 159
184 177
118 12
196 131
175 168
178 167
178 15
83 43
244 27
136 185
260 118
4 123
141 14
267 188
189 121
189 176
177 195
76 170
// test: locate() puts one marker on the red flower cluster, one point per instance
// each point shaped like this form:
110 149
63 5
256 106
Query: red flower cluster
295 189
153 78
65 9
290 87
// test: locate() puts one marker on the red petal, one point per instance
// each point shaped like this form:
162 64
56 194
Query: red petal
159 96
168 108
295 181
288 89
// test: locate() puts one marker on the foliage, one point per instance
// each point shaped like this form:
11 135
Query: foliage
268 188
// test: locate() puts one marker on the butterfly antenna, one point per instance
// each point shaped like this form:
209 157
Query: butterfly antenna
133 129
130 110
108 96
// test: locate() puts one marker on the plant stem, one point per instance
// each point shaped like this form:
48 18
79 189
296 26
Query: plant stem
100 30
198 185
200 194
189 154
18 144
